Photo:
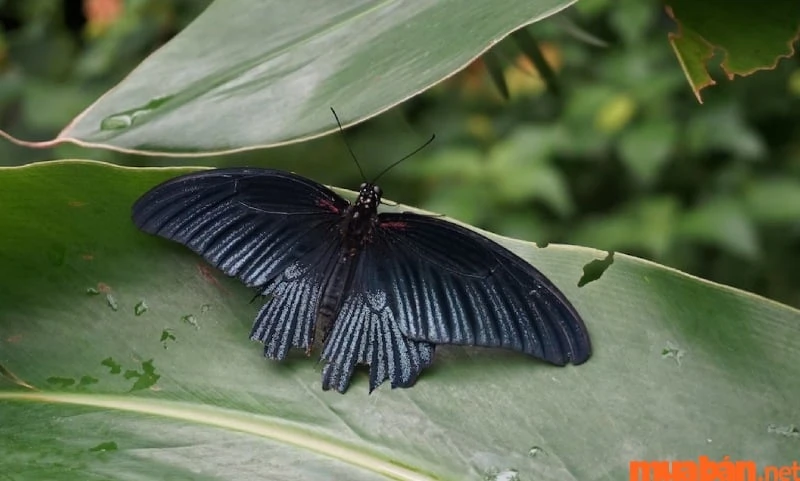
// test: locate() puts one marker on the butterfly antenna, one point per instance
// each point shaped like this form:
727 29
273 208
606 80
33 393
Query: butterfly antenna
344 137
387 169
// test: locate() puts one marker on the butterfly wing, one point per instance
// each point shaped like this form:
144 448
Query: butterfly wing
367 332
446 284
250 223
271 229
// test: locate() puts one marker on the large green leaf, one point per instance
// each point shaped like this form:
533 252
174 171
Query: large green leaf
141 368
250 73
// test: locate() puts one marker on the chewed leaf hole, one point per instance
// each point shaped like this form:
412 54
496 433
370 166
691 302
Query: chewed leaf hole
789 430
594 270
140 308
191 320
502 475
103 447
145 378
672 351
112 302
62 382
113 366
167 335
87 381
535 451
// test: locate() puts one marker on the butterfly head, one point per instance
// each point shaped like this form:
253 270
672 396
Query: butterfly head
369 196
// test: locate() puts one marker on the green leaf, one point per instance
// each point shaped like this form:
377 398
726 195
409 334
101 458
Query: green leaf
682 367
519 169
722 222
570 27
751 36
645 226
494 67
253 74
631 18
530 47
723 127
645 147
774 200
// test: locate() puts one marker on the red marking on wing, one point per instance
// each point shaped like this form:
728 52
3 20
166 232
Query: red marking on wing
14 339
325 203
394 225
103 287
87 257
208 275
76 203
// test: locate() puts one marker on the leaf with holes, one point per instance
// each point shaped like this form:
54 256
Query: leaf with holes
751 37
179 392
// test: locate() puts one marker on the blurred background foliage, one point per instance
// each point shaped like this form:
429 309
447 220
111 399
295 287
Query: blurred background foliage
621 158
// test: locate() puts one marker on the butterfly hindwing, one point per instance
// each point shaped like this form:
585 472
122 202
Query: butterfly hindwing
449 285
366 332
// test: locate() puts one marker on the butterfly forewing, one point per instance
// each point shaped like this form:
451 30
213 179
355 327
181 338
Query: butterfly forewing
246 222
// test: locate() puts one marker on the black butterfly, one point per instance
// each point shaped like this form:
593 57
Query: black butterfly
376 289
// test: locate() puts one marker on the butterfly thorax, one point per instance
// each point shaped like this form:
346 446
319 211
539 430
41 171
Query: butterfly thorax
361 218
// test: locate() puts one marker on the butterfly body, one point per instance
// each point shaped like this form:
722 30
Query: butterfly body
368 288
356 228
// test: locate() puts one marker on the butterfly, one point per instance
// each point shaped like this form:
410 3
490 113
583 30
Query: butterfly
368 288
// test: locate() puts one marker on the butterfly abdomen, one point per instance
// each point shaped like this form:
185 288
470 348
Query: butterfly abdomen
335 285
